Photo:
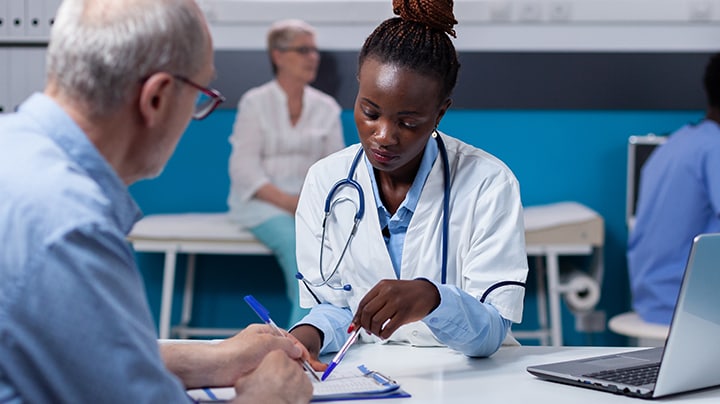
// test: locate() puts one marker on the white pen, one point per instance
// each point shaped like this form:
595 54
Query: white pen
341 353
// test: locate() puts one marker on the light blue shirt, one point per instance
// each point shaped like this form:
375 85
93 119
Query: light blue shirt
398 223
74 321
679 198
479 339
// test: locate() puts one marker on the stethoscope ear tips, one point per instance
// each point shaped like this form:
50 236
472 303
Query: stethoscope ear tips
347 287
299 276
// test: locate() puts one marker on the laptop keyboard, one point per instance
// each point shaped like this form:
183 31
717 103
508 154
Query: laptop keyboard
635 376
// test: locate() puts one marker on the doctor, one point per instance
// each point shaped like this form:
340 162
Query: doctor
388 277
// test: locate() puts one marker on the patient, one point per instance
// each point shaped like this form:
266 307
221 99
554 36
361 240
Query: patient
75 325
281 129
679 198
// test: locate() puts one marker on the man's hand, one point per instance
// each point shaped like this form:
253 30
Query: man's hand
202 364
277 379
244 351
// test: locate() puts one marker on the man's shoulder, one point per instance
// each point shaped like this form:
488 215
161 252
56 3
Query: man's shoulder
42 187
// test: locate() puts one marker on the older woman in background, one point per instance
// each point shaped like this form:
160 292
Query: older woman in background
282 127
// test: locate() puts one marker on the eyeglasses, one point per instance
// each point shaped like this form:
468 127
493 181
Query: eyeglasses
303 50
208 99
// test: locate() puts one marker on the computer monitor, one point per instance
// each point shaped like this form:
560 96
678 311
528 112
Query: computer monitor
639 150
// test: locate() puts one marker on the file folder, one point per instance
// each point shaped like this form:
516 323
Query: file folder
34 14
19 75
35 70
4 79
49 12
4 20
16 18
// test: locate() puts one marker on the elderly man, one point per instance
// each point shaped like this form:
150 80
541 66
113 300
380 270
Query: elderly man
124 79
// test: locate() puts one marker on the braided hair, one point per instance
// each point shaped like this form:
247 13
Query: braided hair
419 39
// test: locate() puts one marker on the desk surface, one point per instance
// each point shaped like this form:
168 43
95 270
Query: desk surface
440 375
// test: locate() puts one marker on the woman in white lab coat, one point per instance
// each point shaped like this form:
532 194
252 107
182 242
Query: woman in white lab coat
393 265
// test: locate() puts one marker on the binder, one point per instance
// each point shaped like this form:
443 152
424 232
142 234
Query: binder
4 80
18 76
34 14
16 18
35 70
4 20
49 11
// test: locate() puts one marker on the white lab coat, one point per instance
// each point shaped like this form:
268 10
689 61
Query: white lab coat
486 234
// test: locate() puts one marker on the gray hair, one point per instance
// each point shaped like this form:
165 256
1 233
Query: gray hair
283 32
100 50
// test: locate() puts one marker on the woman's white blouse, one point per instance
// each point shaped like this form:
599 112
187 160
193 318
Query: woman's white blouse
266 148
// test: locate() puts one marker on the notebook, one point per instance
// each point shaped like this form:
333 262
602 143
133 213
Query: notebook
343 384
690 359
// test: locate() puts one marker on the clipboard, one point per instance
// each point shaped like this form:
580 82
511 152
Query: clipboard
358 383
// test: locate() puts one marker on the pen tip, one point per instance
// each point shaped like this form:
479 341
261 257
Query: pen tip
327 371
351 328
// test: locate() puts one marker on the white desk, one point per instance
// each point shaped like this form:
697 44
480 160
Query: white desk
551 231
442 376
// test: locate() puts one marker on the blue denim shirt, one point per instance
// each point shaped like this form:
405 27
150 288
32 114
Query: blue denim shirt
74 321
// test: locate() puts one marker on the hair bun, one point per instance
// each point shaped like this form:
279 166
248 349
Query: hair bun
437 14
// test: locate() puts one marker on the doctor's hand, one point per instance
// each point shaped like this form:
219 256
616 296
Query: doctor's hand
275 380
311 341
392 303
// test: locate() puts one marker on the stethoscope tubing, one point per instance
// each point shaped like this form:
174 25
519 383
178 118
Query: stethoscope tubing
349 181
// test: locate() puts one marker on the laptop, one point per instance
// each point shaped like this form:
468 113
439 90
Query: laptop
690 359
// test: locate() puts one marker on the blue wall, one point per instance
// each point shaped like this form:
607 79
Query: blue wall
556 155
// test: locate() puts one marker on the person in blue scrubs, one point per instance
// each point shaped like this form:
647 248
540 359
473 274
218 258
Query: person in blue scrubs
679 198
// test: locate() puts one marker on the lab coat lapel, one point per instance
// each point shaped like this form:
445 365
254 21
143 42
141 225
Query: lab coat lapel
422 252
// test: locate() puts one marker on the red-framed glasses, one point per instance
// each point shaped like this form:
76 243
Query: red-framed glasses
208 99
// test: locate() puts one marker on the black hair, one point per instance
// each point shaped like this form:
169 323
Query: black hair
419 40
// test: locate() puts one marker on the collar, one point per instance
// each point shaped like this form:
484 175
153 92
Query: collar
413 195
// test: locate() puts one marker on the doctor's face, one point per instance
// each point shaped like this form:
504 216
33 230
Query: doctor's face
396 111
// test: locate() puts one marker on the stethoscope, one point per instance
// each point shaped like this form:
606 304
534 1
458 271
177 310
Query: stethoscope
360 211
349 181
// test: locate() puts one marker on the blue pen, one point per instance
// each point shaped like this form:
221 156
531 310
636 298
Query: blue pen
341 353
265 316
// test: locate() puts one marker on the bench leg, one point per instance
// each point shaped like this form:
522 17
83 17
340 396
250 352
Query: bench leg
167 292
188 295
553 276
541 300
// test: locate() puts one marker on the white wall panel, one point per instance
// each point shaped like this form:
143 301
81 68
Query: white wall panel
513 25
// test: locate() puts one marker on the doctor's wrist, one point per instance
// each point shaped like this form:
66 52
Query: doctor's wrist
433 294
310 336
